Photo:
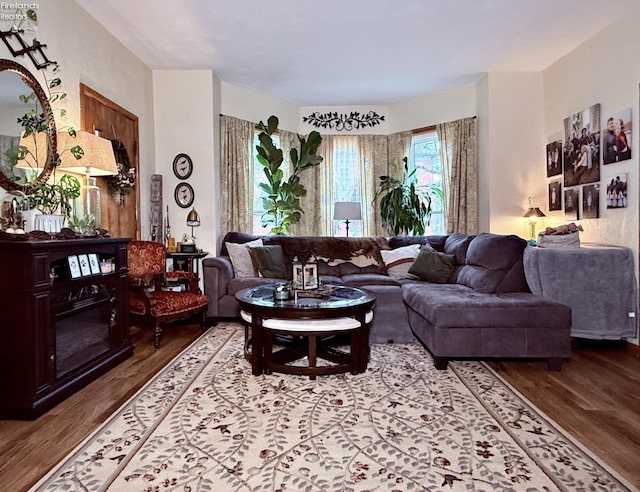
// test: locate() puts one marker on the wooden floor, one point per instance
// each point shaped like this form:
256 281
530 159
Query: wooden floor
596 397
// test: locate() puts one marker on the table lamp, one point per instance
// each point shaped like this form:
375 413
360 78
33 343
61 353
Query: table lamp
193 220
347 211
532 214
97 159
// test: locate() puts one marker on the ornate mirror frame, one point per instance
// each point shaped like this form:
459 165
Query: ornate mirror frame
6 182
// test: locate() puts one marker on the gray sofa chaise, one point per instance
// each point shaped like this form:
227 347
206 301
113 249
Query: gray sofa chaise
485 310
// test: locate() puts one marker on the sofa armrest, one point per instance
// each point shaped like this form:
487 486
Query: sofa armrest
217 271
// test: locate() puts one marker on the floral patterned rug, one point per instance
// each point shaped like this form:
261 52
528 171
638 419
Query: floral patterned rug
205 423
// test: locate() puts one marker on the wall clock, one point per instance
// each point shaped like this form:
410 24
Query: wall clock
182 166
184 195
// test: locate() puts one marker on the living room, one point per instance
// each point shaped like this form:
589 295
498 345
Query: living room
518 114
507 153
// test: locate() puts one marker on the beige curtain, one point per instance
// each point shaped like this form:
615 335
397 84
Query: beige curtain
313 179
388 163
460 174
374 162
236 174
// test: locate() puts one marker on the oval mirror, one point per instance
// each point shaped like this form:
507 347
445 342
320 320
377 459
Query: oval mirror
27 129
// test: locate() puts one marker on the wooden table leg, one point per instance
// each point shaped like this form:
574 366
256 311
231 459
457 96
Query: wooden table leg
257 339
313 360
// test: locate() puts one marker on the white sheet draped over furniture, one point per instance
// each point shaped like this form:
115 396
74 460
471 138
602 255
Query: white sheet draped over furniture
597 281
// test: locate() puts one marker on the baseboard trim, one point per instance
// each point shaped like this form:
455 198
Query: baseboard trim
632 348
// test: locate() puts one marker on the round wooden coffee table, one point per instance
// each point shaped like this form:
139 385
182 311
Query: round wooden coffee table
311 327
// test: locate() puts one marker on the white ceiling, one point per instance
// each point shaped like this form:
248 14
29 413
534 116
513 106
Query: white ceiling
352 52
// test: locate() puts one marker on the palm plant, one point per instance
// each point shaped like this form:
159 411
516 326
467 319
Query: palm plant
405 206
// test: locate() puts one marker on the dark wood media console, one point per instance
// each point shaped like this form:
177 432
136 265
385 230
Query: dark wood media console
60 326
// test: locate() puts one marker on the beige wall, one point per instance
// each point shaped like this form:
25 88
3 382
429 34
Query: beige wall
185 124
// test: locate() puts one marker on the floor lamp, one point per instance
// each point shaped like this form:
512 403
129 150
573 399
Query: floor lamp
347 211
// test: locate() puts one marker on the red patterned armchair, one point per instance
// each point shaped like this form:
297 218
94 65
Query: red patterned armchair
147 299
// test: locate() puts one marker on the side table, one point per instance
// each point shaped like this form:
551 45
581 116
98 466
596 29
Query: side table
597 281
186 262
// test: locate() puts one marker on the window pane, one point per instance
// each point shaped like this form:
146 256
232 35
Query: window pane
346 181
425 159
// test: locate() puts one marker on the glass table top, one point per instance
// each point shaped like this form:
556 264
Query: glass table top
327 297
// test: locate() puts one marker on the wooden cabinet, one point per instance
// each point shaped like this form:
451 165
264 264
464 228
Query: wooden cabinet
58 330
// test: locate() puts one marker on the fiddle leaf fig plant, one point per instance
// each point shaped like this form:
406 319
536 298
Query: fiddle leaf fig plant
281 204
405 206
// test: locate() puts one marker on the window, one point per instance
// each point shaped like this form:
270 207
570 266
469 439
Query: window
425 159
346 181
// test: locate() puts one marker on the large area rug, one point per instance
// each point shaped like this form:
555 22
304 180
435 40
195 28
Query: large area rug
205 423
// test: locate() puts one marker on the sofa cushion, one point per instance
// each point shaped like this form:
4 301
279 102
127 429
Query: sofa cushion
437 242
433 266
365 279
269 261
494 264
397 261
457 244
454 305
241 258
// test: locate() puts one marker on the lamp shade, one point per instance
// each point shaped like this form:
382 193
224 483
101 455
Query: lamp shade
97 159
193 219
534 212
347 211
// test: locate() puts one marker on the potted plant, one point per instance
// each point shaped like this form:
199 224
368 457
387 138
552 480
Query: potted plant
405 206
51 198
281 204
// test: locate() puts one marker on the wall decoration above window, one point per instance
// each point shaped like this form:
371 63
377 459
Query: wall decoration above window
343 121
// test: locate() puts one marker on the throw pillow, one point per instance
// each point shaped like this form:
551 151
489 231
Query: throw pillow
241 258
269 261
433 266
397 261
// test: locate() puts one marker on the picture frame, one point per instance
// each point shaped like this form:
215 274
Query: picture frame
310 277
74 266
572 204
554 158
617 191
85 269
591 201
581 154
298 276
94 263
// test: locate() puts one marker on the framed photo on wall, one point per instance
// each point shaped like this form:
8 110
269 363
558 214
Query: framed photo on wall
616 138
554 158
591 201
555 195
617 191
581 160
571 204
